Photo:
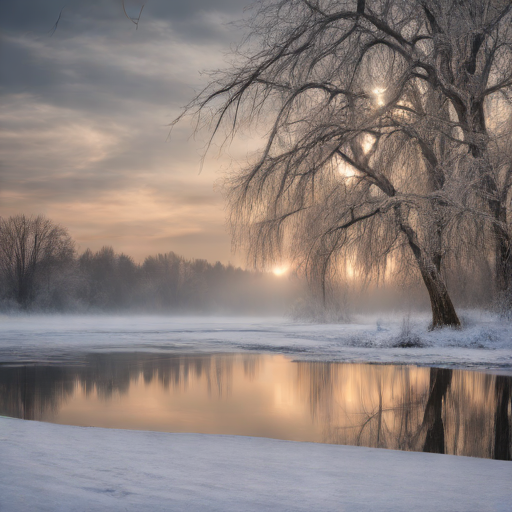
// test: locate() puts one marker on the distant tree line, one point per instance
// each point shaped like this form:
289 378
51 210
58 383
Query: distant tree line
41 270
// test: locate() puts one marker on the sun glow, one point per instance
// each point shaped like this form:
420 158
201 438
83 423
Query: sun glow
368 142
346 170
279 271
379 95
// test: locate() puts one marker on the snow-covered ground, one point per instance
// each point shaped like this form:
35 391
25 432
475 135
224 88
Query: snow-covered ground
54 467
59 468
484 343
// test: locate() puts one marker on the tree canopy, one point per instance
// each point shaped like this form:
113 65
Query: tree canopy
388 137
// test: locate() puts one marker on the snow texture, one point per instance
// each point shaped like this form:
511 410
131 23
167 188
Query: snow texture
53 467
484 343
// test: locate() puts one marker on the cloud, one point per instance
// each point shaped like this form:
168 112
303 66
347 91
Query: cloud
84 120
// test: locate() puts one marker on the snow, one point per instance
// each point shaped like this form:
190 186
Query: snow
53 467
484 343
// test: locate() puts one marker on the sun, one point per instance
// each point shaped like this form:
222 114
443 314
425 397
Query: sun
279 271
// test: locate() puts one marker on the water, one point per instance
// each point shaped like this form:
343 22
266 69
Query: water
387 406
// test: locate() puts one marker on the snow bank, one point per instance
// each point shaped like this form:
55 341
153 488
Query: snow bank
485 342
54 467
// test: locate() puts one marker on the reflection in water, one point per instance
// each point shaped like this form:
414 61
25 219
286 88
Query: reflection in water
397 407
501 420
433 419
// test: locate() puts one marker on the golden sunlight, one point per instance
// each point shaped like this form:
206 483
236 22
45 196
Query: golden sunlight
346 170
368 142
379 94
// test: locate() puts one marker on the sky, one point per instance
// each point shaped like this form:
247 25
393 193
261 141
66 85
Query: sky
84 122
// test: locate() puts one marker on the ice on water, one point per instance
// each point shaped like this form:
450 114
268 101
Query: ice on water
485 342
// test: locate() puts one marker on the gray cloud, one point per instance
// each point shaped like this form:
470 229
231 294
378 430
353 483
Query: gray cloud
196 20
84 114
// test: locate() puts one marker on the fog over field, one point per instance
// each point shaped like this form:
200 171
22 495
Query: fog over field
484 344
43 271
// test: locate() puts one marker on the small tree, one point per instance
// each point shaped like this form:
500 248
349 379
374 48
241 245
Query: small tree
30 247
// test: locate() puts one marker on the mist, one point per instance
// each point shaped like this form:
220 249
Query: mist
106 281
41 271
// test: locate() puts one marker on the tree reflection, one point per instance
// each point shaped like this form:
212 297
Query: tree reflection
440 380
33 392
408 408
28 391
385 406
502 429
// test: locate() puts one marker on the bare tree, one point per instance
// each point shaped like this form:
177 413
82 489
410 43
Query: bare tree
386 141
30 246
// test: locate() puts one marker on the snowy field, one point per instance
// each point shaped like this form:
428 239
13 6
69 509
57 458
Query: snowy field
57 468
484 343
54 467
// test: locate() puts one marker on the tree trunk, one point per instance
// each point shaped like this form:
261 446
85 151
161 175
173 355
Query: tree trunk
503 243
503 260
496 199
24 293
443 311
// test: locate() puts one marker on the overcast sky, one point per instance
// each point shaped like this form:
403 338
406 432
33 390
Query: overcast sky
84 116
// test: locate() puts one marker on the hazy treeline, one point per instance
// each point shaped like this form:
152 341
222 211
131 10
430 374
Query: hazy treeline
40 269
168 282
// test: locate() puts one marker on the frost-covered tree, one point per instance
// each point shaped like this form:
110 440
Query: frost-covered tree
30 248
385 143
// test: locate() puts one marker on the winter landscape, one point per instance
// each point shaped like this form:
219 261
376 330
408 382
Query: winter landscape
57 467
256 256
